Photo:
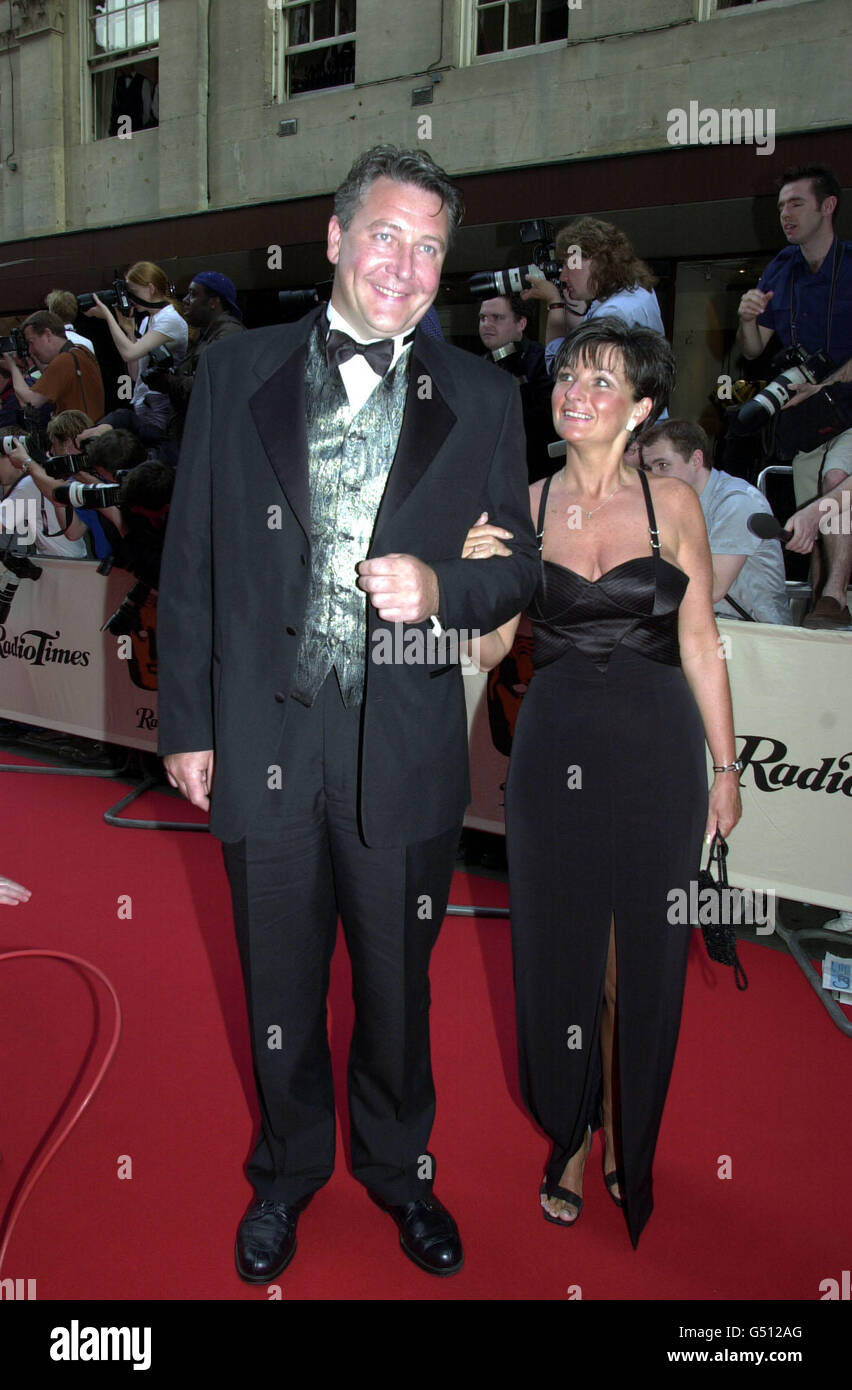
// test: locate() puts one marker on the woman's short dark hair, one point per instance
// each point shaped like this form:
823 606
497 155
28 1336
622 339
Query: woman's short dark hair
403 166
647 359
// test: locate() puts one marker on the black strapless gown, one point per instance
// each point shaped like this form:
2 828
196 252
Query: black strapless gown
606 804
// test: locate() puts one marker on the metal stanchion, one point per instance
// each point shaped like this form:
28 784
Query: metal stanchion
792 940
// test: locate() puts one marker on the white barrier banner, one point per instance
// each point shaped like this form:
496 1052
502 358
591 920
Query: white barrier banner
792 694
59 670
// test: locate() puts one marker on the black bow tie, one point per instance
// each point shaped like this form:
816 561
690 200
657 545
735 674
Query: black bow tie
339 347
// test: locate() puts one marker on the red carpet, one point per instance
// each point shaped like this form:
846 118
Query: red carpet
762 1077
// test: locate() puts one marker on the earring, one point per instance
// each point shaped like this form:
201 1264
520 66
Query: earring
630 426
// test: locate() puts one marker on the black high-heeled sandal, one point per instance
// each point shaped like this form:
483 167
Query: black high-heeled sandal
564 1194
615 1179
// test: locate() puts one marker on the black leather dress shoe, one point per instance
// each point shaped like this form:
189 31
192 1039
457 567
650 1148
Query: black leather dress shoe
266 1239
427 1233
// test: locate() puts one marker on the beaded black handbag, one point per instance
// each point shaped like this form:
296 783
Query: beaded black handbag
718 930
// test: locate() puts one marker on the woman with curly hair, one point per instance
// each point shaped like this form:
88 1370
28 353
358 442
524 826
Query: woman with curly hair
601 274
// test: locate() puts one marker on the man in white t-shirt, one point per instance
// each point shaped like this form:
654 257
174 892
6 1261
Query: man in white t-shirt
748 573
64 304
25 512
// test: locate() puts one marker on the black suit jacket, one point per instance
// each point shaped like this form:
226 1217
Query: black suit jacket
236 566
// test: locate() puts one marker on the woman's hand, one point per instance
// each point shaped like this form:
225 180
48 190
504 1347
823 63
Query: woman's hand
725 807
98 310
542 289
484 540
13 893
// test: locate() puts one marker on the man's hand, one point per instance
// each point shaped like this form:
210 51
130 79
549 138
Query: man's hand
805 528
801 393
753 304
91 433
10 361
192 775
401 588
18 456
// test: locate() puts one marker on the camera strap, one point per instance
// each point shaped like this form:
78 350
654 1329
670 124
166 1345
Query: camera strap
739 609
835 271
72 351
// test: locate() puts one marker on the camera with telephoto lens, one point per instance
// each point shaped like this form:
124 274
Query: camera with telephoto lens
16 343
35 445
160 360
62 466
294 304
127 617
144 501
116 298
486 283
795 367
14 566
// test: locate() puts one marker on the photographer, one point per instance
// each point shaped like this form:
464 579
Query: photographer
70 377
146 493
23 500
502 321
161 325
804 296
210 306
609 279
105 456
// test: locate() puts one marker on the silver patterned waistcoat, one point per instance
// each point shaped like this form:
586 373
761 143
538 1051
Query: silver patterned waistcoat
349 462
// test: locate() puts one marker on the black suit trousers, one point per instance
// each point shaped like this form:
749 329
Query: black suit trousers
301 864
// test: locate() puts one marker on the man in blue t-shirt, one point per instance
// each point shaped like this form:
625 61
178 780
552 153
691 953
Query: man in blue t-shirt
805 297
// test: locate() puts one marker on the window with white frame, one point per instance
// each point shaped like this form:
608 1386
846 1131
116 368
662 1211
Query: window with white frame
318 45
707 8
123 43
504 25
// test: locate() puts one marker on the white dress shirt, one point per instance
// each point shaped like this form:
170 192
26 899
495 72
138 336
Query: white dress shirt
358 377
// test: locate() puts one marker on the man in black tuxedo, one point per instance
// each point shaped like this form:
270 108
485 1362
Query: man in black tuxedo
340 749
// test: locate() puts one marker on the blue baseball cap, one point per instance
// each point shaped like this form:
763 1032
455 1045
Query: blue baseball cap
220 285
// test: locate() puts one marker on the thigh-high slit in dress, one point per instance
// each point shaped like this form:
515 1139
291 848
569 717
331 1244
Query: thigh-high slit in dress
606 804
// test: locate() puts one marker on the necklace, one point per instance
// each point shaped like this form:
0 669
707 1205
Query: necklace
604 502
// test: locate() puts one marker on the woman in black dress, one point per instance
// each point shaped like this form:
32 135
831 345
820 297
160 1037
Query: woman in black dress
606 799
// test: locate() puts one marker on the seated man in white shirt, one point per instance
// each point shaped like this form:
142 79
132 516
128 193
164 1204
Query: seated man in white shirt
64 304
748 573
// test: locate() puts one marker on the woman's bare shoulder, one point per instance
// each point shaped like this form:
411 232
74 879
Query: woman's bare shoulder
674 498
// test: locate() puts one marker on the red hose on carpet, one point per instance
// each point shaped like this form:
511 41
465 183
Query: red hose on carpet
10 1217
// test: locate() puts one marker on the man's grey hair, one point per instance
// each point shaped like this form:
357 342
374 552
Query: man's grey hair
403 166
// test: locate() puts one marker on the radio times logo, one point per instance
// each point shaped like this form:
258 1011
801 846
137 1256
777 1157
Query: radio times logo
767 760
38 648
